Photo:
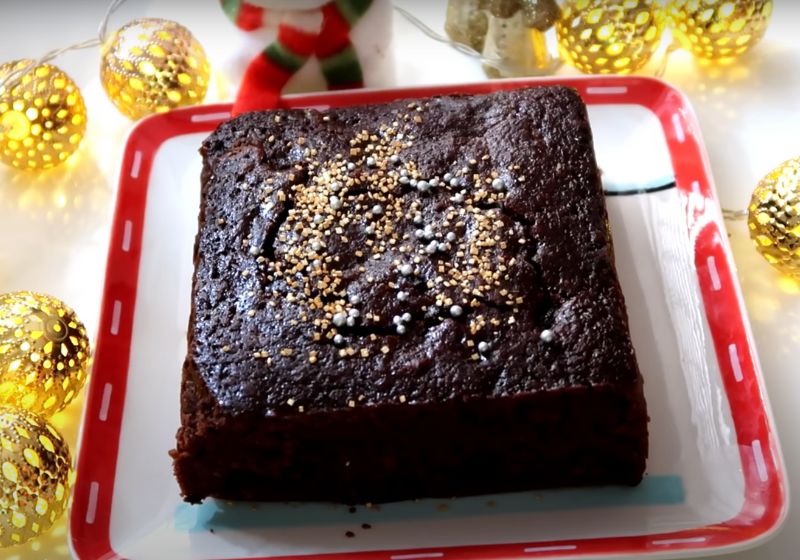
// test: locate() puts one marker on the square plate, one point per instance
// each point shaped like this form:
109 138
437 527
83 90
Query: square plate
715 479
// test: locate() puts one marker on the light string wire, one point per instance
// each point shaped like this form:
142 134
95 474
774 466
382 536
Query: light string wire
10 80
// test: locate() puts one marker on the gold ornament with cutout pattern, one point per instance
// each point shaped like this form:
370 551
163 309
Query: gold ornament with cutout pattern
774 218
44 353
35 476
42 116
609 36
719 29
153 66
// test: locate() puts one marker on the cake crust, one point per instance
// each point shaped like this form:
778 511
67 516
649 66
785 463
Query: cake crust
407 300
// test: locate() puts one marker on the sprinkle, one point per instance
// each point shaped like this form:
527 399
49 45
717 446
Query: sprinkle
377 209
456 311
406 270
402 296
401 329
338 340
339 319
483 347
498 184
335 203
431 247
547 336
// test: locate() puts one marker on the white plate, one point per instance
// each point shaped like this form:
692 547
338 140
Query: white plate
714 477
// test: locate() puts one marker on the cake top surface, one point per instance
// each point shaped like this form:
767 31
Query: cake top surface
424 250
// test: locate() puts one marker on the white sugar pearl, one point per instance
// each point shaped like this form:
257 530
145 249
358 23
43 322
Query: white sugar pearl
354 312
351 166
377 209
402 296
417 218
355 299
547 336
404 180
423 186
406 317
369 230
335 186
316 245
442 247
448 177
394 158
450 237
483 347
430 248
335 202
458 198
406 270
254 250
434 182
339 319
401 329
338 340
397 320
318 219
498 184
456 311
453 182
371 161
351 321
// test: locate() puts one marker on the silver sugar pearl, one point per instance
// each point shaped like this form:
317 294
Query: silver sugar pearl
404 180
338 340
406 270
351 321
354 313
406 317
254 250
423 186
417 218
483 347
371 161
430 248
396 320
335 202
339 319
448 177
547 336
442 247
450 236
355 299
456 311
394 158
351 166
316 245
335 186
419 234
377 209
318 219
498 184
401 329
434 182
402 296
369 230
453 182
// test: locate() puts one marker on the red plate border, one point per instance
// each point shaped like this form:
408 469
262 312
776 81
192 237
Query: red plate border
766 498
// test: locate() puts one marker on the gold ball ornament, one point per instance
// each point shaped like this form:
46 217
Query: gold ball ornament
35 476
42 116
609 36
774 218
718 30
152 66
44 353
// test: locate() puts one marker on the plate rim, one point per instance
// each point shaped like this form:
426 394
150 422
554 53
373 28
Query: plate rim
764 471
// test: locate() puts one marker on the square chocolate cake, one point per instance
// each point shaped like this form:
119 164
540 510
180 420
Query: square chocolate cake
408 300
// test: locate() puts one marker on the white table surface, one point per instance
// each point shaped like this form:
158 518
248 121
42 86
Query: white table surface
54 226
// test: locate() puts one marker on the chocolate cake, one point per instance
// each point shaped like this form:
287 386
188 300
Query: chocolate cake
408 300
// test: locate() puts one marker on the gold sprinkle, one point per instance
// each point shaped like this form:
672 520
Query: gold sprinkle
402 398
385 349
286 351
